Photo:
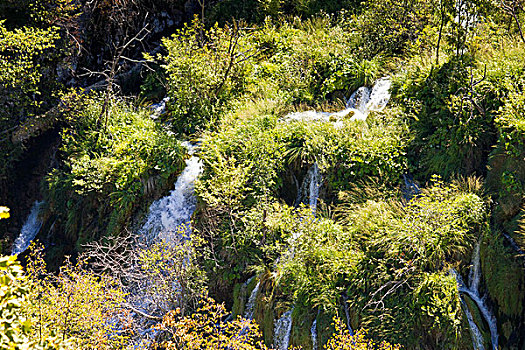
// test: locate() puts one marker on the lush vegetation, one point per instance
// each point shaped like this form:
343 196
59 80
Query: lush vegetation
342 223
114 157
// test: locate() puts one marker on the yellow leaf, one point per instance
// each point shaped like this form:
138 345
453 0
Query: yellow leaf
4 212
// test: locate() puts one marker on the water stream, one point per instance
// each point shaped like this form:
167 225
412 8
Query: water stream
359 105
250 305
309 191
167 222
472 290
313 332
171 215
282 330
29 230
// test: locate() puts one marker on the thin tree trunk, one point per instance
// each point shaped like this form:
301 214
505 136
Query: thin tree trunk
440 33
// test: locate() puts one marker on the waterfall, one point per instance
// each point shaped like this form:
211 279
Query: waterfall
360 104
168 221
473 292
282 330
30 229
171 214
475 272
159 109
359 99
347 314
250 305
313 331
379 96
309 191
477 337
411 189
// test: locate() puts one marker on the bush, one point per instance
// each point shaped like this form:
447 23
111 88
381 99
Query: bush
206 70
389 260
112 165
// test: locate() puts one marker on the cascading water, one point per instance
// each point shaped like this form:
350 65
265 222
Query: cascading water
313 332
474 275
30 229
159 108
168 222
379 96
250 305
347 314
477 337
171 214
359 99
360 104
473 292
411 189
282 330
309 191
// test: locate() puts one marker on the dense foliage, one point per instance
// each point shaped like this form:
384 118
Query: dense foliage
114 158
356 217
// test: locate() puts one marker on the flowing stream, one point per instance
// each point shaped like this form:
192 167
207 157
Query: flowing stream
171 215
30 229
309 191
282 330
472 290
360 104
168 222
313 332
250 305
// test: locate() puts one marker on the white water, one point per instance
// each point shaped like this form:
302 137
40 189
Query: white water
360 104
30 229
282 330
474 275
309 191
359 99
477 337
168 222
313 331
250 305
159 109
171 215
473 292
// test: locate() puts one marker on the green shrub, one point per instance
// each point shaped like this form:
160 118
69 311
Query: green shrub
108 167
206 70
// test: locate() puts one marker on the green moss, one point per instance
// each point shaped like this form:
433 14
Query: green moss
479 320
503 275
325 327
302 319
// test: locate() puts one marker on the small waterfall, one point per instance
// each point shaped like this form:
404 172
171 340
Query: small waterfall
411 189
168 222
473 292
250 305
360 104
171 214
309 191
282 330
475 272
159 109
477 337
347 314
313 331
379 96
29 230
359 99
